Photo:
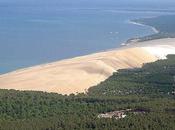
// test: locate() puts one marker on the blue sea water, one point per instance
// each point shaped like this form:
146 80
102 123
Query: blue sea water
31 35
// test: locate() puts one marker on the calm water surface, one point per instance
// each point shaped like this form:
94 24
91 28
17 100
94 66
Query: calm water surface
31 35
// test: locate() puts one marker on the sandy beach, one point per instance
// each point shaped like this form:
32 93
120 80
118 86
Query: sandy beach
78 74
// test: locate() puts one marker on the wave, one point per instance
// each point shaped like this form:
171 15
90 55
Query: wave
140 24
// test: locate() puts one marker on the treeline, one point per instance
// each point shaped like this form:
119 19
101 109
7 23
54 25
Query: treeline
163 24
149 88
152 79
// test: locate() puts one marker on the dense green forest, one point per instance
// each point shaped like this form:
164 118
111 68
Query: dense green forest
150 87
163 24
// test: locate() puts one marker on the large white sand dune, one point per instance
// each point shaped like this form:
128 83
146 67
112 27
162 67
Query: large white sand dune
80 73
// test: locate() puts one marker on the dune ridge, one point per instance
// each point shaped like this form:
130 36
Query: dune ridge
78 74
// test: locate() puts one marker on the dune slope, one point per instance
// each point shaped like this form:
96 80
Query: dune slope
78 74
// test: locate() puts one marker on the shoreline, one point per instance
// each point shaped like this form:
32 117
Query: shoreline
140 24
126 43
77 74
137 39
123 44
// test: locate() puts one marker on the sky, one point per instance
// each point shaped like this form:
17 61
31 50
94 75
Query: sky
93 3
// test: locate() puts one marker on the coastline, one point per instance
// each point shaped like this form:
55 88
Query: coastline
140 24
7 67
124 44
78 74
134 39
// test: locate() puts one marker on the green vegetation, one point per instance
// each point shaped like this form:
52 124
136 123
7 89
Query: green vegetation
150 87
163 24
152 79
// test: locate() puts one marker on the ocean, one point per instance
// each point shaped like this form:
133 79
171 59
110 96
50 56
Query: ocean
31 35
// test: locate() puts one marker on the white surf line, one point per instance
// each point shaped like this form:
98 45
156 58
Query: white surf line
143 25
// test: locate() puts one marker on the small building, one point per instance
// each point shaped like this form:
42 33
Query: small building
119 115
122 113
115 114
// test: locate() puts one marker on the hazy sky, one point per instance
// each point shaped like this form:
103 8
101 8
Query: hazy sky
94 3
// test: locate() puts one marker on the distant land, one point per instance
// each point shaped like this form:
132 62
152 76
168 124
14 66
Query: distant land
163 26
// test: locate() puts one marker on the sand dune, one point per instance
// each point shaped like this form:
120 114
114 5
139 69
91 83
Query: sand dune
78 74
